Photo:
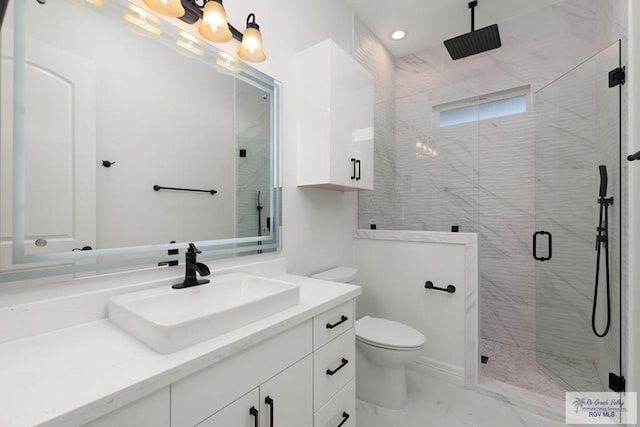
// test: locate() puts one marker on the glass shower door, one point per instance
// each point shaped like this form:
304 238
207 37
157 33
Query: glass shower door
577 125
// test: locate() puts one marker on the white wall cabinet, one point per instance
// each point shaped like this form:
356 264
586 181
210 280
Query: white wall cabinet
335 119
285 381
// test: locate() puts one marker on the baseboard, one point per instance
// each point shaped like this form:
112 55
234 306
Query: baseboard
438 369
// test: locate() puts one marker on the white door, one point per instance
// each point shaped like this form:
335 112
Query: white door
60 128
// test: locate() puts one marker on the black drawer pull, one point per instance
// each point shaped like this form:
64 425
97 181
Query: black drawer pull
353 162
345 417
359 170
269 401
342 320
342 365
256 419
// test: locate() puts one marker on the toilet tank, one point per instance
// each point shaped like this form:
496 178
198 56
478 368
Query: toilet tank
338 274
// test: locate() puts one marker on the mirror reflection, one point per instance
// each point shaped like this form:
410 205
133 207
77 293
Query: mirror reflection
135 133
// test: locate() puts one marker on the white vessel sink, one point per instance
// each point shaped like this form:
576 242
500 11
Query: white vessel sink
169 319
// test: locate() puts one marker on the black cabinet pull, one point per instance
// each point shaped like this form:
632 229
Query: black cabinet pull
353 163
345 417
342 365
535 245
359 170
256 419
269 401
342 320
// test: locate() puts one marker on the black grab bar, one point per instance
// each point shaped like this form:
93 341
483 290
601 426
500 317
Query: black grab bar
158 188
429 285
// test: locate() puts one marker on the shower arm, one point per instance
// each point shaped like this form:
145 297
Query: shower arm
633 157
472 6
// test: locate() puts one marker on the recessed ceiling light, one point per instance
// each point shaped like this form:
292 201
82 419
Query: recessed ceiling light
398 34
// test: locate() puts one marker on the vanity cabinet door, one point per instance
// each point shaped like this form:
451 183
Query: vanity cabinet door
286 400
244 412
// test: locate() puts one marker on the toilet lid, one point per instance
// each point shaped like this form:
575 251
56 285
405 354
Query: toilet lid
387 333
338 274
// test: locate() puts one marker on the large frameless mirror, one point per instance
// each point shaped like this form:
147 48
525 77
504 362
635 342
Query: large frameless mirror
123 132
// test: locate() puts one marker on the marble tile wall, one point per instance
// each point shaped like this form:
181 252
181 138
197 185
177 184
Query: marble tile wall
484 175
253 171
376 207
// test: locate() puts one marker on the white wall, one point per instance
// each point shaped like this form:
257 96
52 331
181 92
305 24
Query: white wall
392 275
317 224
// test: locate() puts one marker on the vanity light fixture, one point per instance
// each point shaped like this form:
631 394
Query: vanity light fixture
213 24
143 19
398 34
251 47
171 8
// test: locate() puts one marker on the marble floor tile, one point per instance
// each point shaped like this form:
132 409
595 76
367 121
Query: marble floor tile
538 372
437 403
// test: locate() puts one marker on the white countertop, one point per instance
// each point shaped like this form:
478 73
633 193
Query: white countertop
74 375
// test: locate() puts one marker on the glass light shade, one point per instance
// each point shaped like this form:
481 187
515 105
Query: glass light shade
251 48
214 26
171 8
142 19
189 45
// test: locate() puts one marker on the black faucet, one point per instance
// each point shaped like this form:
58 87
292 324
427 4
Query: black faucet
191 268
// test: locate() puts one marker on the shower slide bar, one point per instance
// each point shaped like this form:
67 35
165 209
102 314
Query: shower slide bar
429 285
158 188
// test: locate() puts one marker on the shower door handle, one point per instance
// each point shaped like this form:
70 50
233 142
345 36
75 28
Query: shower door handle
535 245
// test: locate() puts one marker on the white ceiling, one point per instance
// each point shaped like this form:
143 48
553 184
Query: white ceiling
430 22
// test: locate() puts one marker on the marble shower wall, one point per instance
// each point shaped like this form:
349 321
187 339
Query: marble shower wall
484 175
253 171
376 207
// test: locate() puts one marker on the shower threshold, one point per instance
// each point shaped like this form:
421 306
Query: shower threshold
520 376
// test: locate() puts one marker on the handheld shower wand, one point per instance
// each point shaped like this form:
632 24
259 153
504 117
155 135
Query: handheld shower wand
602 238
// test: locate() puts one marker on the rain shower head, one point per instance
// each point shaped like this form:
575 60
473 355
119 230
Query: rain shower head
477 41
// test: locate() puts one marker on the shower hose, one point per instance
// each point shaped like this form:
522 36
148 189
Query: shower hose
602 239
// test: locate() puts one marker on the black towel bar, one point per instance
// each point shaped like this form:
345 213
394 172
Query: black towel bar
158 188
450 288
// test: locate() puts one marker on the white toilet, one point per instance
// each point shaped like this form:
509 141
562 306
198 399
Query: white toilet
383 350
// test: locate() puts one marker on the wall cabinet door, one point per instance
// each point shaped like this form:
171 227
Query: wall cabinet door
286 399
335 119
244 412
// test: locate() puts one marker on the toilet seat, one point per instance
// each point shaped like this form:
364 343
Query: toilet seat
388 334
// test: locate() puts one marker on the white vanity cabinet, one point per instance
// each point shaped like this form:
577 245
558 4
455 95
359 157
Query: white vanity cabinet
152 410
284 400
334 397
301 377
335 119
